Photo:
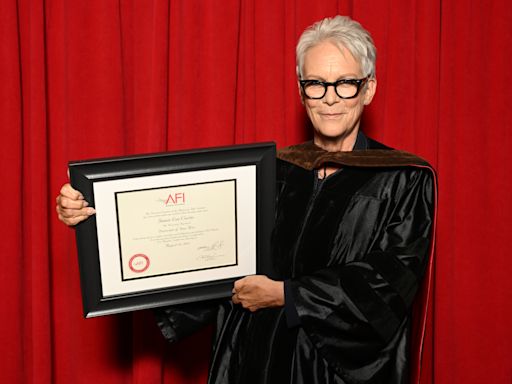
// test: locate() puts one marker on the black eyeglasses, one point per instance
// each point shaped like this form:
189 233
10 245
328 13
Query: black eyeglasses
344 88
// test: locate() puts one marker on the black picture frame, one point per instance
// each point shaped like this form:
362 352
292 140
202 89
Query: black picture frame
85 174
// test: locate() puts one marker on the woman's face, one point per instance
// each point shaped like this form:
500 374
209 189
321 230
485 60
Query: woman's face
335 120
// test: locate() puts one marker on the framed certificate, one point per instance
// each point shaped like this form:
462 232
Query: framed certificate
173 227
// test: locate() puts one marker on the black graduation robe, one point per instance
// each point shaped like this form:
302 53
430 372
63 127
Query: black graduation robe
352 250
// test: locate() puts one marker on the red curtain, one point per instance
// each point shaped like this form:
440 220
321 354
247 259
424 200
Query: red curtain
95 78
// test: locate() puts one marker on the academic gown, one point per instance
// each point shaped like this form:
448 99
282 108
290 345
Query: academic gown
352 250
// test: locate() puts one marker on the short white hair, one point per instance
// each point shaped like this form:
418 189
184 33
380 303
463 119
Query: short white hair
342 31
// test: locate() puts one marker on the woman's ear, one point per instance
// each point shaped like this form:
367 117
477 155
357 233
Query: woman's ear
300 92
371 88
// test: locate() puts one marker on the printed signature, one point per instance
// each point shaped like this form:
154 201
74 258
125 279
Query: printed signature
212 247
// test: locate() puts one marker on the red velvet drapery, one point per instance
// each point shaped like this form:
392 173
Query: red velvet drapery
95 78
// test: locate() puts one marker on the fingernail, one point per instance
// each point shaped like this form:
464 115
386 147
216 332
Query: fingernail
91 211
86 204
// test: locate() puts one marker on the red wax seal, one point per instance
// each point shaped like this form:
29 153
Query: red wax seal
139 263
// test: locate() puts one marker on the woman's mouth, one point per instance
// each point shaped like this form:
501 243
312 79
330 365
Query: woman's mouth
331 115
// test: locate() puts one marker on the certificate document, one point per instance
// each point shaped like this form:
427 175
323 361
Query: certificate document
177 229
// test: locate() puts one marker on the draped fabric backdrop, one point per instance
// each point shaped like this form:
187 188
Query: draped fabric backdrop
95 78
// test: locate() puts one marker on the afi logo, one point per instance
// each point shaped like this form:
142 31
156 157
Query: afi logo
175 198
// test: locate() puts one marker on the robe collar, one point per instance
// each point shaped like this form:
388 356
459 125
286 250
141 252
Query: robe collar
309 156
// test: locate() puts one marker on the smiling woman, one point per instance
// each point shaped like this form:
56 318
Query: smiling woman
350 254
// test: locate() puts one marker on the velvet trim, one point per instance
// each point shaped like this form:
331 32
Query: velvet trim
309 156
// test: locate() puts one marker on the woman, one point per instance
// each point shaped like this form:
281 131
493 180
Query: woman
351 241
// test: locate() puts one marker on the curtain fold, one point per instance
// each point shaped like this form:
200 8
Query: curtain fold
10 165
98 78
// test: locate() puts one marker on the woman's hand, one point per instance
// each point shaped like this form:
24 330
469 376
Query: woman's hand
71 206
256 292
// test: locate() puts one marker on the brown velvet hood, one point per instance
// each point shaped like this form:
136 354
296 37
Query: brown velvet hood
309 156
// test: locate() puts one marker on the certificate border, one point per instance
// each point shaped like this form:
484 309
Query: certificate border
123 278
83 174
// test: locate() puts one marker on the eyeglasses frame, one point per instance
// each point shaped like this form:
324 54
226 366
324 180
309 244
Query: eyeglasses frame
358 82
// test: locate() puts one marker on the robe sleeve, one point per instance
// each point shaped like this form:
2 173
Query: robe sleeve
292 317
353 311
179 321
